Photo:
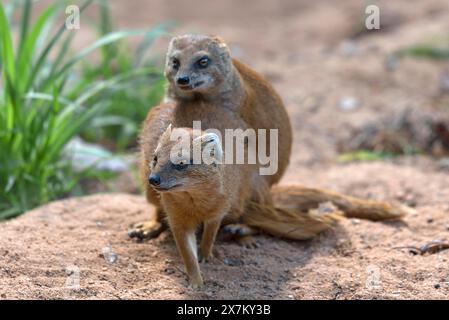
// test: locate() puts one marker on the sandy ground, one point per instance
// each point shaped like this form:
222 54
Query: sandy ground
315 57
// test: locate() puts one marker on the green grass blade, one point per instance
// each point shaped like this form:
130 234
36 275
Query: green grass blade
150 36
7 51
61 54
27 51
52 43
428 52
115 80
25 22
103 41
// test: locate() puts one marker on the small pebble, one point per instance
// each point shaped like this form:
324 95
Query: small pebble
348 48
437 286
444 163
444 82
348 103
391 63
430 220
232 262
109 255
169 270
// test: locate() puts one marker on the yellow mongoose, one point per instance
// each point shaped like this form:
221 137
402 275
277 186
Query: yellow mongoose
205 84
213 193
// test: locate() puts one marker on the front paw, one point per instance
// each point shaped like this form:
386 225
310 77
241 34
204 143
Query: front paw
196 283
145 230
205 257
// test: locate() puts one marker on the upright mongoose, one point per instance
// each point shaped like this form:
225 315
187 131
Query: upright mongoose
211 192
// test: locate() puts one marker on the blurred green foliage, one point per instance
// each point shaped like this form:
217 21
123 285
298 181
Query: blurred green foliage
47 98
363 155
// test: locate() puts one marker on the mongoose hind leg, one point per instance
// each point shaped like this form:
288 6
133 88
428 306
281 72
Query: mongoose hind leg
149 229
207 241
242 233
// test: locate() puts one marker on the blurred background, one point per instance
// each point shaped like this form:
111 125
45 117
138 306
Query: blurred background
72 101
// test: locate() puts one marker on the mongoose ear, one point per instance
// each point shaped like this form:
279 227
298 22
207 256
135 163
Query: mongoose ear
220 43
172 43
219 40
165 137
211 147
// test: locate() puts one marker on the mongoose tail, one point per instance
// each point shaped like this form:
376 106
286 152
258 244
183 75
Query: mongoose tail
303 198
301 213
290 223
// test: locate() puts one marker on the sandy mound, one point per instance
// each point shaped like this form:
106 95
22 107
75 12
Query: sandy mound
78 248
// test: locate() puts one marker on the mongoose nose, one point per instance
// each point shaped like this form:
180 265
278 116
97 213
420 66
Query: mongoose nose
154 179
183 81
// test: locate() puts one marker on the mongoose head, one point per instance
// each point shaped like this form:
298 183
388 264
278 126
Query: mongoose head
173 168
197 64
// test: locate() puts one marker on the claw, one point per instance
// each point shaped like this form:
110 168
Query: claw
242 234
204 258
248 242
145 230
196 284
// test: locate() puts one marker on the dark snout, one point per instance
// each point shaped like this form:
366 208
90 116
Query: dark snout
183 81
154 179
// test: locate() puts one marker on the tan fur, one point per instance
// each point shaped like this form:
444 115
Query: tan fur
290 223
198 194
212 194
235 97
302 198
240 98
300 213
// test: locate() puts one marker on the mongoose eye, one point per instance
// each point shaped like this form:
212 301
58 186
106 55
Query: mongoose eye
181 165
155 159
203 62
176 64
